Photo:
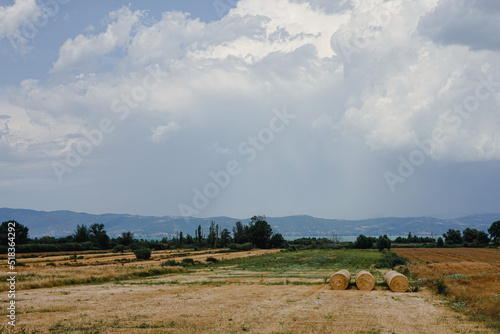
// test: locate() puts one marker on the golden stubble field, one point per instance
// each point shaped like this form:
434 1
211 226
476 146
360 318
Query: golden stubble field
469 277
223 299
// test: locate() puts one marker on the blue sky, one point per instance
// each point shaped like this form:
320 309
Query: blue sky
338 109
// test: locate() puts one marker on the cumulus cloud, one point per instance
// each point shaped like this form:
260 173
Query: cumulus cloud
394 85
84 51
16 16
17 21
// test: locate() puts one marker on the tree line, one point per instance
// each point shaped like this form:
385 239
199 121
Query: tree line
470 237
257 233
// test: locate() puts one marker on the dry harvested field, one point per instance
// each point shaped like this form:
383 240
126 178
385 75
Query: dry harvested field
285 292
468 277
49 270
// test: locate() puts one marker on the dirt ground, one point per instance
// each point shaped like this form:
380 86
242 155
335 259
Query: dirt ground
212 302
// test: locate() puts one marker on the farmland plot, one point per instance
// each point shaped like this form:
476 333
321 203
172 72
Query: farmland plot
468 277
273 293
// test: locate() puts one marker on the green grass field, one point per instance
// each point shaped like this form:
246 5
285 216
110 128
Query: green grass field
304 260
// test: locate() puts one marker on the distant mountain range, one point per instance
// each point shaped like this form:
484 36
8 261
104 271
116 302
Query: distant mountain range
63 223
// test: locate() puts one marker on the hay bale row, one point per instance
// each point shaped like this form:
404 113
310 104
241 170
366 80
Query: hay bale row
340 280
397 282
365 280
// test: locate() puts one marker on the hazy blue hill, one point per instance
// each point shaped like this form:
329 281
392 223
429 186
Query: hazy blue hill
62 223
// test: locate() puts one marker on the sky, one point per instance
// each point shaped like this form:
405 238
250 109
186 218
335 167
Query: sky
338 109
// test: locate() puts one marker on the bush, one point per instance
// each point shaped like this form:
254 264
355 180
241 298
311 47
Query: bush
170 263
391 260
363 242
155 272
143 253
277 241
118 249
441 287
383 243
241 247
72 246
187 262
212 259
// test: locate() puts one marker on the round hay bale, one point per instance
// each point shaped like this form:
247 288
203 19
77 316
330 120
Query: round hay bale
340 280
397 282
365 280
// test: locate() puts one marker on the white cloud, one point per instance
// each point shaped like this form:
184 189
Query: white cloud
163 132
17 21
82 52
393 91
15 16
34 135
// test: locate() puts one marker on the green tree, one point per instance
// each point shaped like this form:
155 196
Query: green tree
81 234
363 242
225 238
126 239
21 232
198 236
482 238
239 233
453 237
383 242
212 235
98 236
494 231
475 237
277 241
260 231
440 242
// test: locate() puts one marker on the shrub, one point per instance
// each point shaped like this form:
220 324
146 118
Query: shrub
118 249
187 262
170 263
363 242
383 243
241 247
155 272
398 261
212 259
441 287
71 246
277 241
391 260
143 253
